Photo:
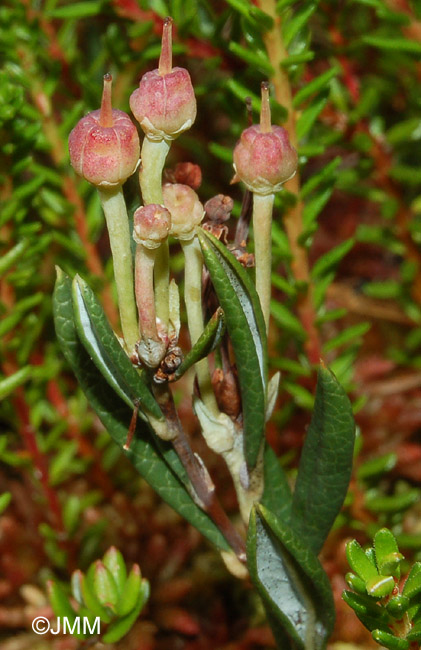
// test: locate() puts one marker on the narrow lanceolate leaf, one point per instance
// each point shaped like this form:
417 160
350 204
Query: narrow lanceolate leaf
326 462
206 343
155 460
277 496
106 352
246 328
291 582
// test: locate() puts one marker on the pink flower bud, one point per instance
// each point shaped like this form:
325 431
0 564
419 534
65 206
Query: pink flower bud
264 158
104 145
152 224
164 104
185 208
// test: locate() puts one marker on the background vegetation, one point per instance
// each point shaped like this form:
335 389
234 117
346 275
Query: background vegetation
347 286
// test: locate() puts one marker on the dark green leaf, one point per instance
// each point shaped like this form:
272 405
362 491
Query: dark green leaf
106 352
394 44
314 86
326 462
246 327
206 343
290 580
277 496
309 115
332 258
154 460
77 10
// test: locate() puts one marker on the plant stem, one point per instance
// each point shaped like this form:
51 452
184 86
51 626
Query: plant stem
153 158
193 300
262 229
115 211
293 219
197 473
145 298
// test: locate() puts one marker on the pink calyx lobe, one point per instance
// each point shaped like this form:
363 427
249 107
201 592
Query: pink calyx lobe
164 104
264 158
104 145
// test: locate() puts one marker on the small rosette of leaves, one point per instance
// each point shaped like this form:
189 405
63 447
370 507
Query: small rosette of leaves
106 591
392 614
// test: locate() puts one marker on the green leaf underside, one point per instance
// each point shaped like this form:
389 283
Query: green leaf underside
206 343
106 352
291 582
155 460
246 327
326 462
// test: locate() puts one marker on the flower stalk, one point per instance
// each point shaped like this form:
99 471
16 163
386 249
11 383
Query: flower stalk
115 211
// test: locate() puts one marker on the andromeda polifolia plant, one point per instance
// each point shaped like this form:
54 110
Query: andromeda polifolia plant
128 377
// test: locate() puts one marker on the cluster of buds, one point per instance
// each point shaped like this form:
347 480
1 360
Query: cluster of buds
104 149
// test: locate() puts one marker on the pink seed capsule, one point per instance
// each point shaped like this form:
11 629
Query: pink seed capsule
152 224
264 157
104 145
185 208
164 104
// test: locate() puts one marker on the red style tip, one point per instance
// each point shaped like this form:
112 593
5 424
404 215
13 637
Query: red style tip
165 59
265 117
106 114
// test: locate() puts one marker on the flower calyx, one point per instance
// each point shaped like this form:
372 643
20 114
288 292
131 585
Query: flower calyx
152 224
104 145
264 158
185 207
165 103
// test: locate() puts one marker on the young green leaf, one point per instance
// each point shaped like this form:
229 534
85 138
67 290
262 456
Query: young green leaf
206 343
60 603
380 586
373 616
290 580
106 352
314 86
156 461
390 641
359 562
129 597
114 562
105 588
90 598
387 553
246 327
326 462
121 626
397 606
412 585
356 583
